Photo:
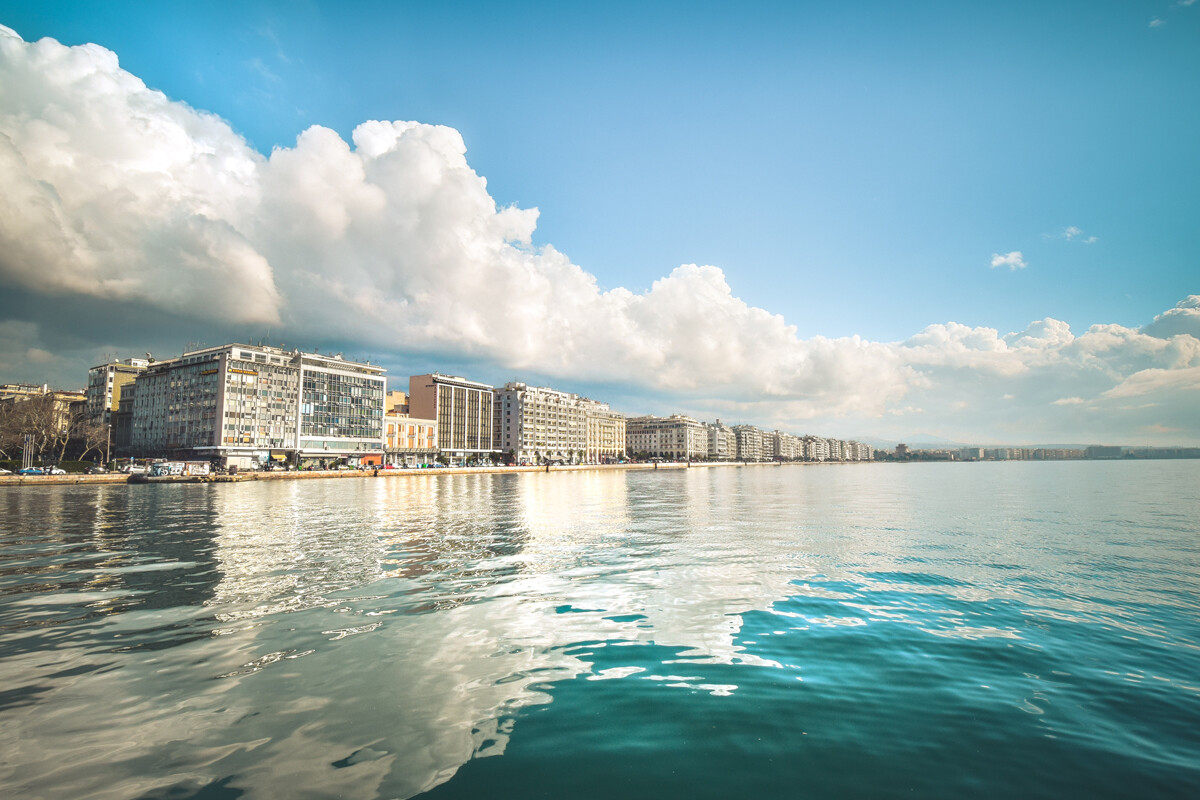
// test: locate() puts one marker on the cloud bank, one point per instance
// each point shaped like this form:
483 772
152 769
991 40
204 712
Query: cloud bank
114 193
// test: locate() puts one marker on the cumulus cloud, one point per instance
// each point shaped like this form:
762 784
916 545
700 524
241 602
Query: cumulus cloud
1157 22
1184 319
1013 260
116 195
117 192
109 185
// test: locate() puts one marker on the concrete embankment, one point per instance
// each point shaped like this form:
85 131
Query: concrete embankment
71 480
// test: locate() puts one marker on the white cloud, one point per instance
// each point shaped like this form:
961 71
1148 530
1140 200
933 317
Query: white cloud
1013 260
115 194
391 240
1072 233
1157 22
110 187
1184 318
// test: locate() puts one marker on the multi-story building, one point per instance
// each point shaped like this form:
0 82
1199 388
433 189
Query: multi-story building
104 386
462 409
816 448
749 442
341 408
605 432
860 452
122 422
722 441
409 441
245 404
676 437
782 446
537 425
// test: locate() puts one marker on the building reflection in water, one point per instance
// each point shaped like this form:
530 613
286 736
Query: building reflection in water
444 605
364 637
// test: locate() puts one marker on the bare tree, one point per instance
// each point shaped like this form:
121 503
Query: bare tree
44 418
88 435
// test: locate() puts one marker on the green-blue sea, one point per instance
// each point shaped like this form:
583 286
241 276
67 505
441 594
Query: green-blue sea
864 630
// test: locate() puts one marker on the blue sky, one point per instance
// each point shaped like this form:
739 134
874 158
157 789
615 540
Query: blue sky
853 169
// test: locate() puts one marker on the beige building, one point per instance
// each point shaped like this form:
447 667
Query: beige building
462 410
409 441
104 386
676 437
749 443
605 433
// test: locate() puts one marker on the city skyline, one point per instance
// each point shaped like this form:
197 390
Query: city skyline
889 255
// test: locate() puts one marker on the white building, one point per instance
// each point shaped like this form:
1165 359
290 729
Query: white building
783 446
722 441
537 425
245 404
815 448
749 442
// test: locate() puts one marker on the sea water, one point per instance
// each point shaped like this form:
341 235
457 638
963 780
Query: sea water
927 630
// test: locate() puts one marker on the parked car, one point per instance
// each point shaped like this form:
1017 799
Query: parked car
31 471
95 469
4 471
54 471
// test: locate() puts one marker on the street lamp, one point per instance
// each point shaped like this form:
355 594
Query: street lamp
107 444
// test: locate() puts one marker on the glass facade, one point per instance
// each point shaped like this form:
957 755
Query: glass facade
339 405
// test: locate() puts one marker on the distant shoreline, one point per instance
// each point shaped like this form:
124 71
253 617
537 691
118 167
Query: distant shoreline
285 475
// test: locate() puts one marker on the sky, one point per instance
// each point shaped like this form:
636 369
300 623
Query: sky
973 221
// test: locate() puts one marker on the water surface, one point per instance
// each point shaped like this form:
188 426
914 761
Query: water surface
934 630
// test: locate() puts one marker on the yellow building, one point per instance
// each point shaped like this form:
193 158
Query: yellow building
409 441
104 387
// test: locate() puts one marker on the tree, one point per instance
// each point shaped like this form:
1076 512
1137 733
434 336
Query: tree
88 435
37 417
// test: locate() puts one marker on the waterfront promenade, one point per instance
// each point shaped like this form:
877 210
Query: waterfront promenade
282 475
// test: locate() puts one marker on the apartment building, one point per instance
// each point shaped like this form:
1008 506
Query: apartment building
463 410
783 446
815 448
676 437
246 404
539 425
722 441
104 386
605 432
749 442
